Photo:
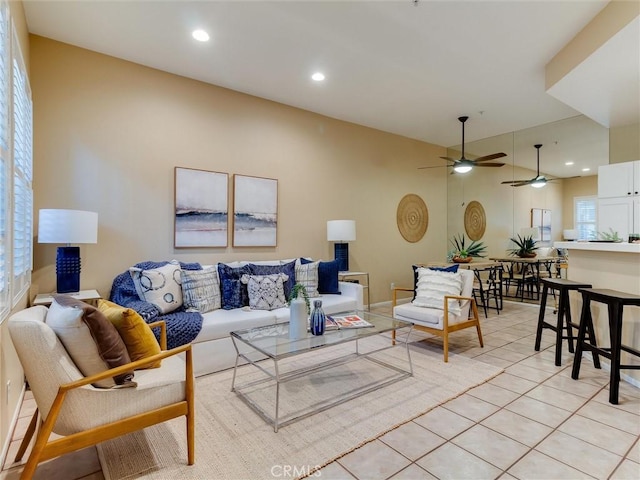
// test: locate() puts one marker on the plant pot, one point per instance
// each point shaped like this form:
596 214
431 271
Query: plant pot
527 255
462 259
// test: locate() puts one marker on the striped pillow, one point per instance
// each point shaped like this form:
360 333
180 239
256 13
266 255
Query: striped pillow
307 275
201 290
434 285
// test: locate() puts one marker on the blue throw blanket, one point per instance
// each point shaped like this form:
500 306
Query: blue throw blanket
182 327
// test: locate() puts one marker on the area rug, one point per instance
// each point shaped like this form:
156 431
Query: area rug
233 442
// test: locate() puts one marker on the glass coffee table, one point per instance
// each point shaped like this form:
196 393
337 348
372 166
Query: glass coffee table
259 345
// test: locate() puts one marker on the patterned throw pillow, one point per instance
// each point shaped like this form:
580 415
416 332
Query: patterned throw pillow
434 285
327 276
288 269
234 292
160 286
201 290
266 292
307 275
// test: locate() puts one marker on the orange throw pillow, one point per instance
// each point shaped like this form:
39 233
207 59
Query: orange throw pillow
136 334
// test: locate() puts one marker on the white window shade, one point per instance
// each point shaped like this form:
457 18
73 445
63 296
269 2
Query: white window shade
5 159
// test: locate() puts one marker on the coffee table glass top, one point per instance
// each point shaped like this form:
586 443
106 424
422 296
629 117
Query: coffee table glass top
274 341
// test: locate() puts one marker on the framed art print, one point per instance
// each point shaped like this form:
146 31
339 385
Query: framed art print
255 211
201 208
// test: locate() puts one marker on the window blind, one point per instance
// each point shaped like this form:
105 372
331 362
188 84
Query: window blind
22 175
5 158
585 217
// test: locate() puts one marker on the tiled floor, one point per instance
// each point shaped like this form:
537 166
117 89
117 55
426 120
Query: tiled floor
531 422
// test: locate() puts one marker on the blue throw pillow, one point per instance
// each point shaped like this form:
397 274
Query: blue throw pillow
234 292
450 268
327 276
286 268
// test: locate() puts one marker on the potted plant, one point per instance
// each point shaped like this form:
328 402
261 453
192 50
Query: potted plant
298 289
527 247
463 253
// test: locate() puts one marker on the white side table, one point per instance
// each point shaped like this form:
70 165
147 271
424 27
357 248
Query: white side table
88 296
347 275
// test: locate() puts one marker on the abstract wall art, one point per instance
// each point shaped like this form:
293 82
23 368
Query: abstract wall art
255 216
201 208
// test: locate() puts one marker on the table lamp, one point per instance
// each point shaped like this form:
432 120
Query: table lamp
67 227
341 232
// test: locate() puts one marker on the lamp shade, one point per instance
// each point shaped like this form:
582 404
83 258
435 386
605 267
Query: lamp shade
341 230
67 226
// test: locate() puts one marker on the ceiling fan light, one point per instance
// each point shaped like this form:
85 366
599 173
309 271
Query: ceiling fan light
463 168
538 184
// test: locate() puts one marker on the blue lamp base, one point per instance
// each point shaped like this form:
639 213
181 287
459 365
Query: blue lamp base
68 269
341 253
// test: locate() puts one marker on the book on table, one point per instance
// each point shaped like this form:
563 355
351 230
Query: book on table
337 322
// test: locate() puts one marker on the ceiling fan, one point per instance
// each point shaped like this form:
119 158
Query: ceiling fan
538 181
463 165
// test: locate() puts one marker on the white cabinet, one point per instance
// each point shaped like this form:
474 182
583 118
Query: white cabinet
618 214
619 198
619 180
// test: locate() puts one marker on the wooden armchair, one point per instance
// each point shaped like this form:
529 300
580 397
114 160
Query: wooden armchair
440 321
69 405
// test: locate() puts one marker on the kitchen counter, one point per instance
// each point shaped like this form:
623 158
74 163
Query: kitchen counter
614 266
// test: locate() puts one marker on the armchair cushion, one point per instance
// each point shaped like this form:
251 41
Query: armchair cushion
91 340
135 333
434 285
450 268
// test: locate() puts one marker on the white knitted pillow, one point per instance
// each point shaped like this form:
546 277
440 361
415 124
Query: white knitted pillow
266 292
432 287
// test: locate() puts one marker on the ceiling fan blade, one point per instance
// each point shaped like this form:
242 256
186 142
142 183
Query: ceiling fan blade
509 182
493 156
449 159
434 166
490 165
522 184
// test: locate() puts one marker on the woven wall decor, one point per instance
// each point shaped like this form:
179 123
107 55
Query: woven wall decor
412 217
475 220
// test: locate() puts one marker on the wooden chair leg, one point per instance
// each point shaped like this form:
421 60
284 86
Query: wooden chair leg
27 436
445 342
393 337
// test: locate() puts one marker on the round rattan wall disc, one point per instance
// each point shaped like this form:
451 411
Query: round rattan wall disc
412 217
475 220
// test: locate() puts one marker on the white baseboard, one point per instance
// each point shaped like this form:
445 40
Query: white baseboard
12 427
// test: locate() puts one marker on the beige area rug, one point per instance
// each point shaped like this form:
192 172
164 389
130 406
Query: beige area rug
233 442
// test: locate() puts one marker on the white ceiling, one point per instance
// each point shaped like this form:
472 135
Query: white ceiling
391 65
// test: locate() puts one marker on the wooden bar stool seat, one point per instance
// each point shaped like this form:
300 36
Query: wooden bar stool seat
563 320
615 301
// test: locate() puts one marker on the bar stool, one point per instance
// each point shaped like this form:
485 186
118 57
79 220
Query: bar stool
563 286
615 302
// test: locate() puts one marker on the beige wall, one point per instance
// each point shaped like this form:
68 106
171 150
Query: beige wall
576 187
624 143
10 369
507 209
108 134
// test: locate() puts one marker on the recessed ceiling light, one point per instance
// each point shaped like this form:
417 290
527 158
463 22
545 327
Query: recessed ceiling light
200 35
318 77
586 169
568 163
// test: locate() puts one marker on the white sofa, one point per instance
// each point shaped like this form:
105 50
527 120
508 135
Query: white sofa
213 348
